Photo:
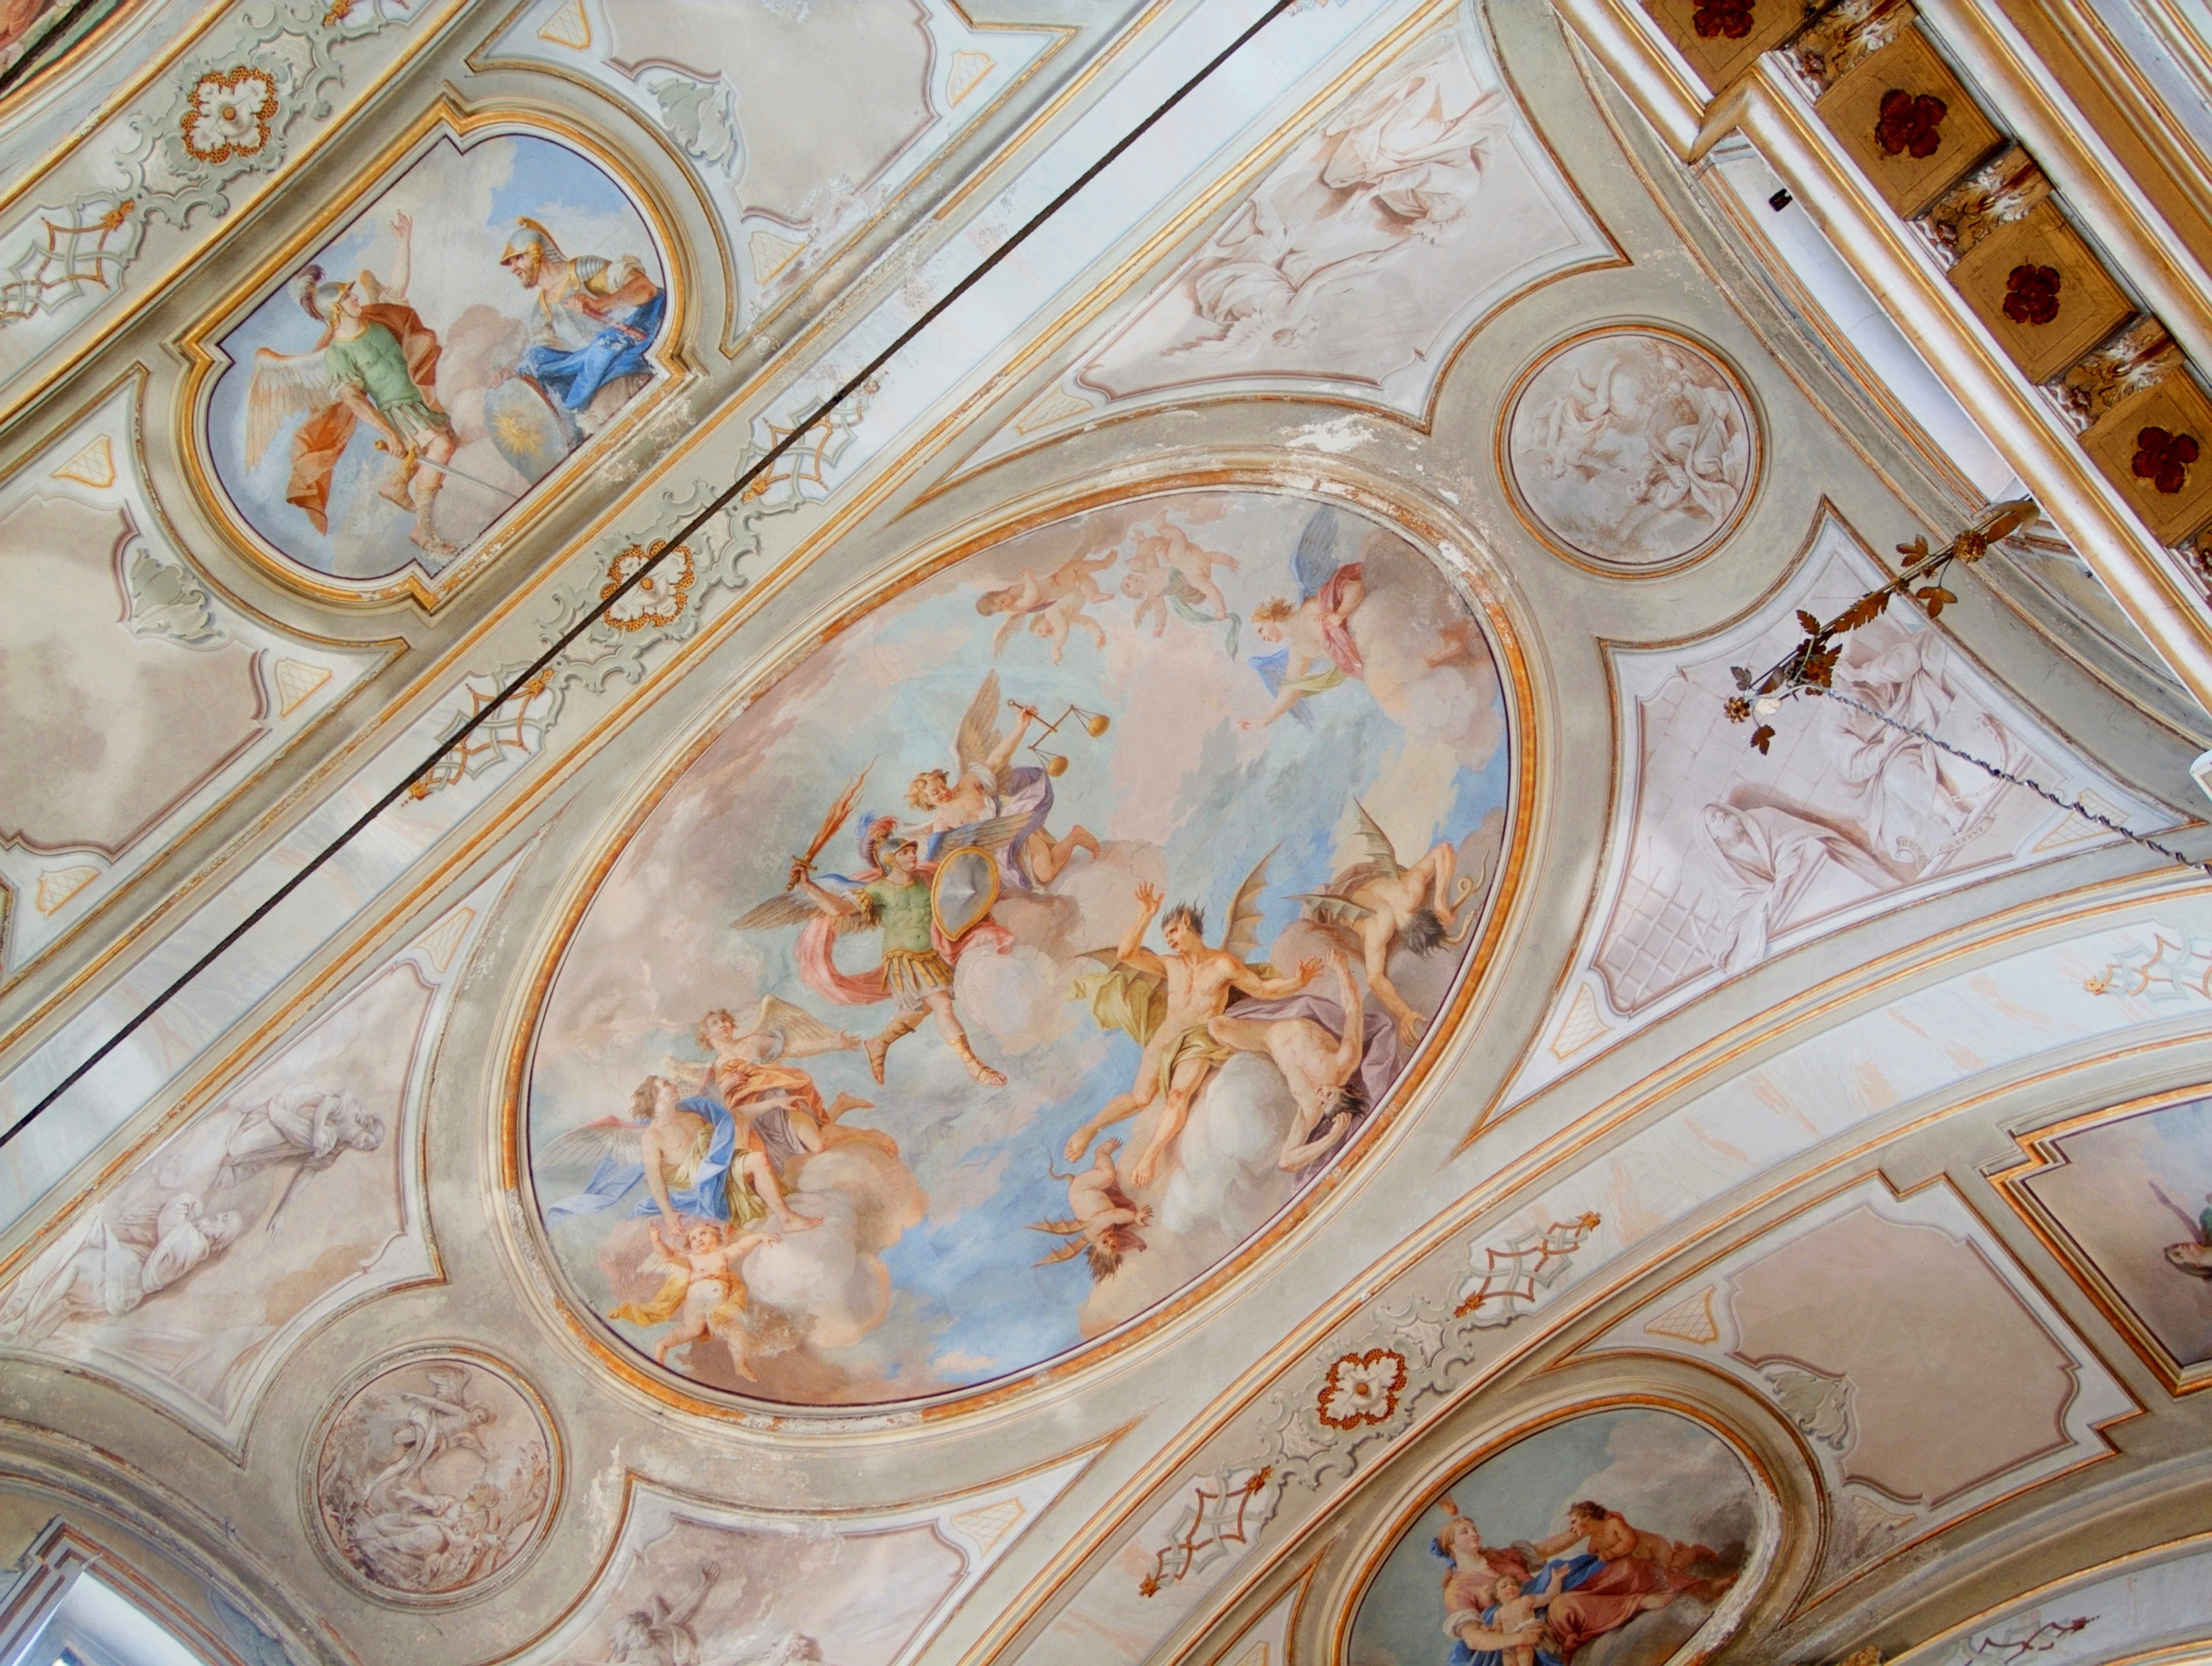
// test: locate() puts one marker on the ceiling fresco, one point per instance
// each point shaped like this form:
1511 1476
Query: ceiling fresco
1427 890
1052 920
408 385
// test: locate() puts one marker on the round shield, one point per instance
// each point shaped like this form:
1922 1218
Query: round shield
522 424
965 891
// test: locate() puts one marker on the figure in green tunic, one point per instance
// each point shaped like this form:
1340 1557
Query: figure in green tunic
917 975
377 363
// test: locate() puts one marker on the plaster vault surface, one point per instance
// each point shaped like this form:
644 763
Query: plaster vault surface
1181 993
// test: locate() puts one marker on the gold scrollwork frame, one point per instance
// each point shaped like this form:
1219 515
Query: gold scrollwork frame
1476 583
447 119
1509 412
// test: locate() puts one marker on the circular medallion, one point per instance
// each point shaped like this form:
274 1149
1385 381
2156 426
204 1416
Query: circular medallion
1630 447
433 1477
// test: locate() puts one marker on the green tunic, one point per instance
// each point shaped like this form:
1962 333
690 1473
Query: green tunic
903 913
374 362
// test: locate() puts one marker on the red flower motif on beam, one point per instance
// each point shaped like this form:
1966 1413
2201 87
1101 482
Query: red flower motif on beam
2163 458
2032 293
1723 20
1910 125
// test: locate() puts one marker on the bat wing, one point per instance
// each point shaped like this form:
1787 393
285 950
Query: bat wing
1380 851
284 386
791 909
1242 940
594 1142
1314 563
979 725
1333 910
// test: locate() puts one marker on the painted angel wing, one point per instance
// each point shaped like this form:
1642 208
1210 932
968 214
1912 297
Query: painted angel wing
791 909
284 386
1273 668
1243 939
990 833
1380 851
1314 563
794 1024
979 727
594 1142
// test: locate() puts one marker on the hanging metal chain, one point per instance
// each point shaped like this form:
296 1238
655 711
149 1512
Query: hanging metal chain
2012 780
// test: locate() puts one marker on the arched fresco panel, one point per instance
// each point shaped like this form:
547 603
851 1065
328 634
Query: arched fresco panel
943 1110
1609 1540
416 378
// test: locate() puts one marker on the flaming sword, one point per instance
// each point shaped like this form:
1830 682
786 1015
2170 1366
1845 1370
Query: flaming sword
803 866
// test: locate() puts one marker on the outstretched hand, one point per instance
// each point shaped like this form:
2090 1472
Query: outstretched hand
1308 969
1149 897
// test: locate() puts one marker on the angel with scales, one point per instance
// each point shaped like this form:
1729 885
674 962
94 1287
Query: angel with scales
1166 1002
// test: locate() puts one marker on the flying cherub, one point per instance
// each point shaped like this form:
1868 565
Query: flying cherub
995 804
1383 904
1170 568
701 1291
1104 1220
1053 605
1164 1001
1317 653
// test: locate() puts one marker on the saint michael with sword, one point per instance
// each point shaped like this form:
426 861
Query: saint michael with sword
930 913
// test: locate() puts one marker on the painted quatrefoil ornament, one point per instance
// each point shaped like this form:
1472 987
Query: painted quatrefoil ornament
1362 1387
659 598
228 114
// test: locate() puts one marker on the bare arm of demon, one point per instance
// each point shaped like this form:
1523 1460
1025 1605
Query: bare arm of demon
1248 979
1378 933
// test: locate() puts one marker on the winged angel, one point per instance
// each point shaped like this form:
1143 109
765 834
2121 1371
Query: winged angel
1386 903
376 362
1165 1002
1316 651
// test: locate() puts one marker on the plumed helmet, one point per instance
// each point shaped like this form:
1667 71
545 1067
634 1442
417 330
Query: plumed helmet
529 234
876 832
316 298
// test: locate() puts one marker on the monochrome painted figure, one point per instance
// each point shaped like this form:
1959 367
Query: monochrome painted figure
189 1204
433 1477
1142 963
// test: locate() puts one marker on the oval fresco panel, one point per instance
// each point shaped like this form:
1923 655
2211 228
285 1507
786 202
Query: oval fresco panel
411 380
983 985
1608 1540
